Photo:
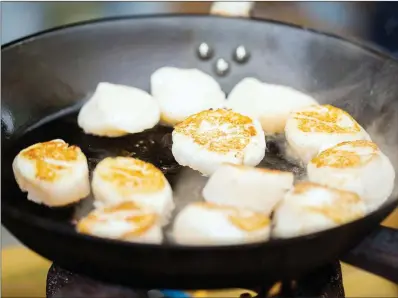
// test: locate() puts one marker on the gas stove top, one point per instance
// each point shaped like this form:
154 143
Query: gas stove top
324 282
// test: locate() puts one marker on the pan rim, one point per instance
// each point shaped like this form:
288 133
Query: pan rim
368 46
61 228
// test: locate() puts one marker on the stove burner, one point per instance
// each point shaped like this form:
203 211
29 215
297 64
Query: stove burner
325 282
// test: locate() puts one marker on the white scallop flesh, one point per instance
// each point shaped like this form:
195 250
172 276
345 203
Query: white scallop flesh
269 103
117 110
247 187
183 92
203 223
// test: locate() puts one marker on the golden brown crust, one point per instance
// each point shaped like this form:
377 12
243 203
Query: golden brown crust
140 222
213 206
303 187
336 157
131 175
273 124
254 222
248 221
325 118
55 150
340 211
241 130
143 223
273 171
124 206
112 133
359 143
165 119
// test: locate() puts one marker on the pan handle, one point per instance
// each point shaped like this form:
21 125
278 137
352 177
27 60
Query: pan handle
377 253
233 9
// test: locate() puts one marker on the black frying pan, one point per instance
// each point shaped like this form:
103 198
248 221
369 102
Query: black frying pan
46 77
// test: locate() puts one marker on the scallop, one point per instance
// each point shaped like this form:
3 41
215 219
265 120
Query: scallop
256 189
183 92
126 179
52 173
357 166
117 110
202 223
313 129
126 221
269 103
311 207
210 138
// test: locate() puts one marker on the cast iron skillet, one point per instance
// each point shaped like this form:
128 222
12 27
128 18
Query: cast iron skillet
46 77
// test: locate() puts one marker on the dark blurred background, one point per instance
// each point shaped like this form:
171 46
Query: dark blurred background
376 22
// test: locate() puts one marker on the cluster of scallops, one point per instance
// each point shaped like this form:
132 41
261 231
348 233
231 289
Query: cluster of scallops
222 138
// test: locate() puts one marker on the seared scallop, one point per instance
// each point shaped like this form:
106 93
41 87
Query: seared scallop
310 208
52 173
126 221
207 139
126 179
203 223
117 110
247 187
270 104
357 166
184 92
313 129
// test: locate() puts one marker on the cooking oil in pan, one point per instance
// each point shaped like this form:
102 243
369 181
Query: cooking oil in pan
152 146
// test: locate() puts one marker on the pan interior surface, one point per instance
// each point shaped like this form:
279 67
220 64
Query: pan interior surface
54 72
153 146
